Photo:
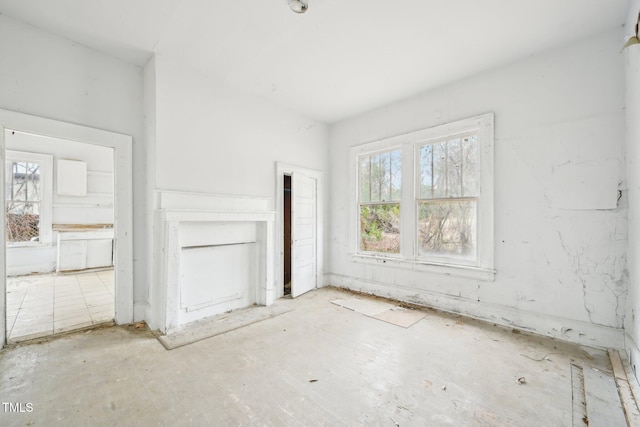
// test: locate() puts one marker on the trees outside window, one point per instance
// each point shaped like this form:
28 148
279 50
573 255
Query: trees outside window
28 197
380 178
448 197
427 197
23 194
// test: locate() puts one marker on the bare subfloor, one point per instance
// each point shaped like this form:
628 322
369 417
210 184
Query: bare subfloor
319 364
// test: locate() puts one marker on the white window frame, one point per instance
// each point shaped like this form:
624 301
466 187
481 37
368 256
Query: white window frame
359 203
483 266
46 203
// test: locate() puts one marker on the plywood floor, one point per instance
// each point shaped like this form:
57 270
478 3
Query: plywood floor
319 364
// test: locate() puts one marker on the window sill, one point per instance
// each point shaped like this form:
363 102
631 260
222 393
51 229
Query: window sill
29 245
476 273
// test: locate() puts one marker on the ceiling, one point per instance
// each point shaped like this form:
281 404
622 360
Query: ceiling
340 58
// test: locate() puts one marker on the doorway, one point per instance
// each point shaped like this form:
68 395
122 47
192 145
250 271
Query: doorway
287 242
121 248
299 230
59 209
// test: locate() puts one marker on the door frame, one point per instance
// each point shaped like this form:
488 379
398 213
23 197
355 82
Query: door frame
123 201
283 169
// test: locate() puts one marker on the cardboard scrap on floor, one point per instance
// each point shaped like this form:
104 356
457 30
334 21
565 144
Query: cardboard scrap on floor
381 310
366 306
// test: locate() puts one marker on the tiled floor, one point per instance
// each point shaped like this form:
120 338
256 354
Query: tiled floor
45 304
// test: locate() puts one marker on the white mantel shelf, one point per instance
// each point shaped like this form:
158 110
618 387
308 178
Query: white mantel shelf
181 215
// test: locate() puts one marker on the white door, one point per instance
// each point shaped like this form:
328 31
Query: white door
303 230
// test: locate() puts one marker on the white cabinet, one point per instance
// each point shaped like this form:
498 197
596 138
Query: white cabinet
79 249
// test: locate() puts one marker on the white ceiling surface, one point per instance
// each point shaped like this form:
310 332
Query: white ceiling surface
341 57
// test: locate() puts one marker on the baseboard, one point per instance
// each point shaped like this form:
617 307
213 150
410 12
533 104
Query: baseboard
141 311
24 270
557 327
632 354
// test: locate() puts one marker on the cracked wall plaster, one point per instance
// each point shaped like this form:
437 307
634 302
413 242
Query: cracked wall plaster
560 224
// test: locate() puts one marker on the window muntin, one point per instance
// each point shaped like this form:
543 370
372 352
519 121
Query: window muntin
455 187
28 198
24 197
447 200
379 196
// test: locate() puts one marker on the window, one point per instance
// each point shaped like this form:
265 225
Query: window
23 201
28 197
448 197
379 202
426 198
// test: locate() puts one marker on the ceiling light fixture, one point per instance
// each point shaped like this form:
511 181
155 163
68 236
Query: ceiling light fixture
633 39
298 6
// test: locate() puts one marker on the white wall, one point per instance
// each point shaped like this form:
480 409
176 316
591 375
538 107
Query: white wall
94 208
49 76
207 137
211 138
631 59
559 251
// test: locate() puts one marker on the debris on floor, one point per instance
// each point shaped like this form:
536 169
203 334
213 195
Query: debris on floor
382 310
521 380
545 357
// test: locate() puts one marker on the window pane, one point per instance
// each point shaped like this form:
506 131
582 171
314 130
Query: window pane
454 169
385 177
33 208
447 228
23 197
396 175
439 169
33 181
23 222
470 170
380 228
19 181
375 178
364 176
426 188
15 208
8 173
22 208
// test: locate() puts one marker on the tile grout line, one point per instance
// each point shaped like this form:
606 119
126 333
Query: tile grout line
106 286
17 313
84 298
55 286
108 290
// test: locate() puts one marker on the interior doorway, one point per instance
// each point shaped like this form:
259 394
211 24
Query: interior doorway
122 158
287 242
299 230
59 234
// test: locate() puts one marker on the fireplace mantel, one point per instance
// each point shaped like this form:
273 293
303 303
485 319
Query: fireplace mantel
211 226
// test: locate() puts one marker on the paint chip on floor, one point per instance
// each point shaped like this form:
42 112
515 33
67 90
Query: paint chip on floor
387 312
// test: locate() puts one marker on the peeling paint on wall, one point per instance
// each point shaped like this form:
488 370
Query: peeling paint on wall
560 220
